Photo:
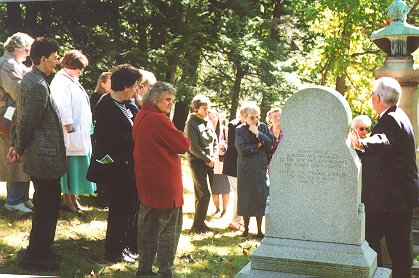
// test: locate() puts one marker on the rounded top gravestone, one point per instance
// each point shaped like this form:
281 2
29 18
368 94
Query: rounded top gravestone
315 191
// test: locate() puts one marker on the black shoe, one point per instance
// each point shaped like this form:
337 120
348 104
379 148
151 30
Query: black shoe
119 258
47 264
128 253
145 274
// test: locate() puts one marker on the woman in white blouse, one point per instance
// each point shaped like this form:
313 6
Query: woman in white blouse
76 117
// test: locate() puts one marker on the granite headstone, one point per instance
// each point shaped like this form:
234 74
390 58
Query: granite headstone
316 221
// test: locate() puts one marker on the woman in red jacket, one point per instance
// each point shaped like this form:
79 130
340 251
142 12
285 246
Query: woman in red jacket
158 172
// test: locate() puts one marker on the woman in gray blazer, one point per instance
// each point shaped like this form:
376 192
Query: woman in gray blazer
12 69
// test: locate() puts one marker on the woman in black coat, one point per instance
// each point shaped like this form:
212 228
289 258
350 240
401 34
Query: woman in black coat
112 162
253 143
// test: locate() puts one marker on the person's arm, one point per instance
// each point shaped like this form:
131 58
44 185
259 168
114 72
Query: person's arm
265 137
193 134
381 141
173 138
33 107
244 147
61 93
10 78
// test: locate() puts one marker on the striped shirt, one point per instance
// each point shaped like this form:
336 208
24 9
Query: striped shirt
125 111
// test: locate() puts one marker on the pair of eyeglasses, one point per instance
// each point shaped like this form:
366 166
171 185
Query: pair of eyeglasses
364 129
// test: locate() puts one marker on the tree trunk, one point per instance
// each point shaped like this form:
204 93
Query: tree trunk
346 43
13 20
189 78
235 94
341 84
32 10
276 16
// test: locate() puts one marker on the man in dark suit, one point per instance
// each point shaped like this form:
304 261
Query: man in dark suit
37 141
390 188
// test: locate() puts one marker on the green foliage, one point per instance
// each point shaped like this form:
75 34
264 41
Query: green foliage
339 46
232 51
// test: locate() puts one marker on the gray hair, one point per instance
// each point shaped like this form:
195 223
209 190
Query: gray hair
157 91
249 107
362 119
272 110
147 77
17 41
388 89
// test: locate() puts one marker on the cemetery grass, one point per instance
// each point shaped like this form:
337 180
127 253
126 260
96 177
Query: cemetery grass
80 241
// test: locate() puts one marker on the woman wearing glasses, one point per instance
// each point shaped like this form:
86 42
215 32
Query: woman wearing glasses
362 125
253 143
12 69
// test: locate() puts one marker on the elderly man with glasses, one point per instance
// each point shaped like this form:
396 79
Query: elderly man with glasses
390 178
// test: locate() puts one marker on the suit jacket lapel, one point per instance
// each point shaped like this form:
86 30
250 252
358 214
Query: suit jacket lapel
391 109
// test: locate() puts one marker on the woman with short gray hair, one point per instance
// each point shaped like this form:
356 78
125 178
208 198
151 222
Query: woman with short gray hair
12 70
157 91
157 145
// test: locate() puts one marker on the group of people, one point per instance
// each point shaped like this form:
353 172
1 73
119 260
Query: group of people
56 143
244 151
124 146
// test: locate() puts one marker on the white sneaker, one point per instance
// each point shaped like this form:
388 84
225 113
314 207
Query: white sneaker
29 204
20 207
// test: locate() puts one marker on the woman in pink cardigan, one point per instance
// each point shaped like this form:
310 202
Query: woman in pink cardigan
158 172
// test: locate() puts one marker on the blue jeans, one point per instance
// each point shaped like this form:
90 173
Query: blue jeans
17 192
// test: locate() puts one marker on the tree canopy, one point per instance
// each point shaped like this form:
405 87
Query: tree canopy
230 50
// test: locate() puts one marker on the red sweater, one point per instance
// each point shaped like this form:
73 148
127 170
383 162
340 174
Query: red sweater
158 171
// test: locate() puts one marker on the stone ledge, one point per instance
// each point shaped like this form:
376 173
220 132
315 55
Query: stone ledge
314 258
248 272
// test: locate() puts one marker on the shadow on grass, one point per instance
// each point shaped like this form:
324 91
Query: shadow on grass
220 253
80 241
81 258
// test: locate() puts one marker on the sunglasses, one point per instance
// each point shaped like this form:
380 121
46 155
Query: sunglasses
364 128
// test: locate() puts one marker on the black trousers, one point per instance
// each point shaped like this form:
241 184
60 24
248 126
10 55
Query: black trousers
200 172
122 218
46 201
396 227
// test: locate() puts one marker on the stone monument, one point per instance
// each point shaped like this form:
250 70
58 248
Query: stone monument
316 221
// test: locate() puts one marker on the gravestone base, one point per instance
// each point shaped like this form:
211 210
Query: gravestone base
310 259
248 272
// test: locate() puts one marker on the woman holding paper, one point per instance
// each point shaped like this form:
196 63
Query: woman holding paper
112 162
12 69
76 117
